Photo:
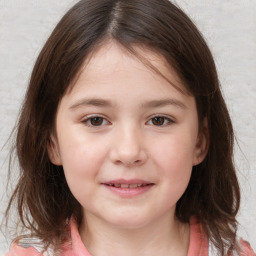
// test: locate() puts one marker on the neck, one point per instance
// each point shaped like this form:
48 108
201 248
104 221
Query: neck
164 237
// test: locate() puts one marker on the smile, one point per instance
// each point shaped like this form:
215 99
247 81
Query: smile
118 185
128 188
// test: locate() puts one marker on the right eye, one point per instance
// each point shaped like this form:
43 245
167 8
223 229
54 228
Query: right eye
95 121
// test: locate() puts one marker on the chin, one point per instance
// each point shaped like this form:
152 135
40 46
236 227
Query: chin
130 222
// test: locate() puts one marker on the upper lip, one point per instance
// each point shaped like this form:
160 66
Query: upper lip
130 182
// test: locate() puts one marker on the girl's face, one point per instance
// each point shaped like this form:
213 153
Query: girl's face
127 139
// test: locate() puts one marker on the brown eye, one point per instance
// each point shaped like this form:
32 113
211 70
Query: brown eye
96 121
158 120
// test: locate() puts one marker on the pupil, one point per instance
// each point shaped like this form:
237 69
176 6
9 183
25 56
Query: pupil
158 120
96 121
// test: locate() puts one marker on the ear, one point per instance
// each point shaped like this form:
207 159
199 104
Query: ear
202 144
53 151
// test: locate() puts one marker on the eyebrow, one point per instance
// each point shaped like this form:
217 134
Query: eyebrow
97 102
164 102
92 102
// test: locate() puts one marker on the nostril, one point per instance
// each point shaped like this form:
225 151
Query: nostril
128 163
128 156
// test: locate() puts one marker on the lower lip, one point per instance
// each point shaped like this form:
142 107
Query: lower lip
129 192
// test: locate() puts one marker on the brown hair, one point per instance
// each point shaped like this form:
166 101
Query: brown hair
42 193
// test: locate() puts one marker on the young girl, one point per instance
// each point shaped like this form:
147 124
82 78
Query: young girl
124 140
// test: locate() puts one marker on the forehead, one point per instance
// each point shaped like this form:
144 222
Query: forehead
111 58
113 77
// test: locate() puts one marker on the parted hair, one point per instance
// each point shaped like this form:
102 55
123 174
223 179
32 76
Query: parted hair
42 196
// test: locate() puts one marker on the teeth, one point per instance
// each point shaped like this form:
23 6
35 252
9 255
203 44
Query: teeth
135 185
117 185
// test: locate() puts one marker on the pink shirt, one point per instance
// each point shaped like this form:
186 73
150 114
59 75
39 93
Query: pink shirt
199 245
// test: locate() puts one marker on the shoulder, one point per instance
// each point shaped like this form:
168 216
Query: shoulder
33 246
246 249
28 247
200 244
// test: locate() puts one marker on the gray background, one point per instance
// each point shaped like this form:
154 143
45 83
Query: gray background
230 30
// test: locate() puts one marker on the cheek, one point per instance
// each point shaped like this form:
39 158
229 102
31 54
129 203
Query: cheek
174 160
81 165
77 148
174 151
81 159
176 163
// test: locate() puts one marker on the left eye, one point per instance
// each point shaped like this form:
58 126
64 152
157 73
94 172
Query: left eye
160 121
95 121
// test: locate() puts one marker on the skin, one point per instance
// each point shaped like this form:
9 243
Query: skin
145 129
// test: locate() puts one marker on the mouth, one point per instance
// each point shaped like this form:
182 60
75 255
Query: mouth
128 188
125 185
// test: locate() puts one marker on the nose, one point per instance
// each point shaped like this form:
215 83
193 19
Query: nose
128 147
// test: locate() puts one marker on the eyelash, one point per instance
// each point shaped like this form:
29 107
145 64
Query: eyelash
167 121
90 118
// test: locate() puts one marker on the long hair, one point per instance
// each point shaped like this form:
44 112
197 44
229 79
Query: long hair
43 198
